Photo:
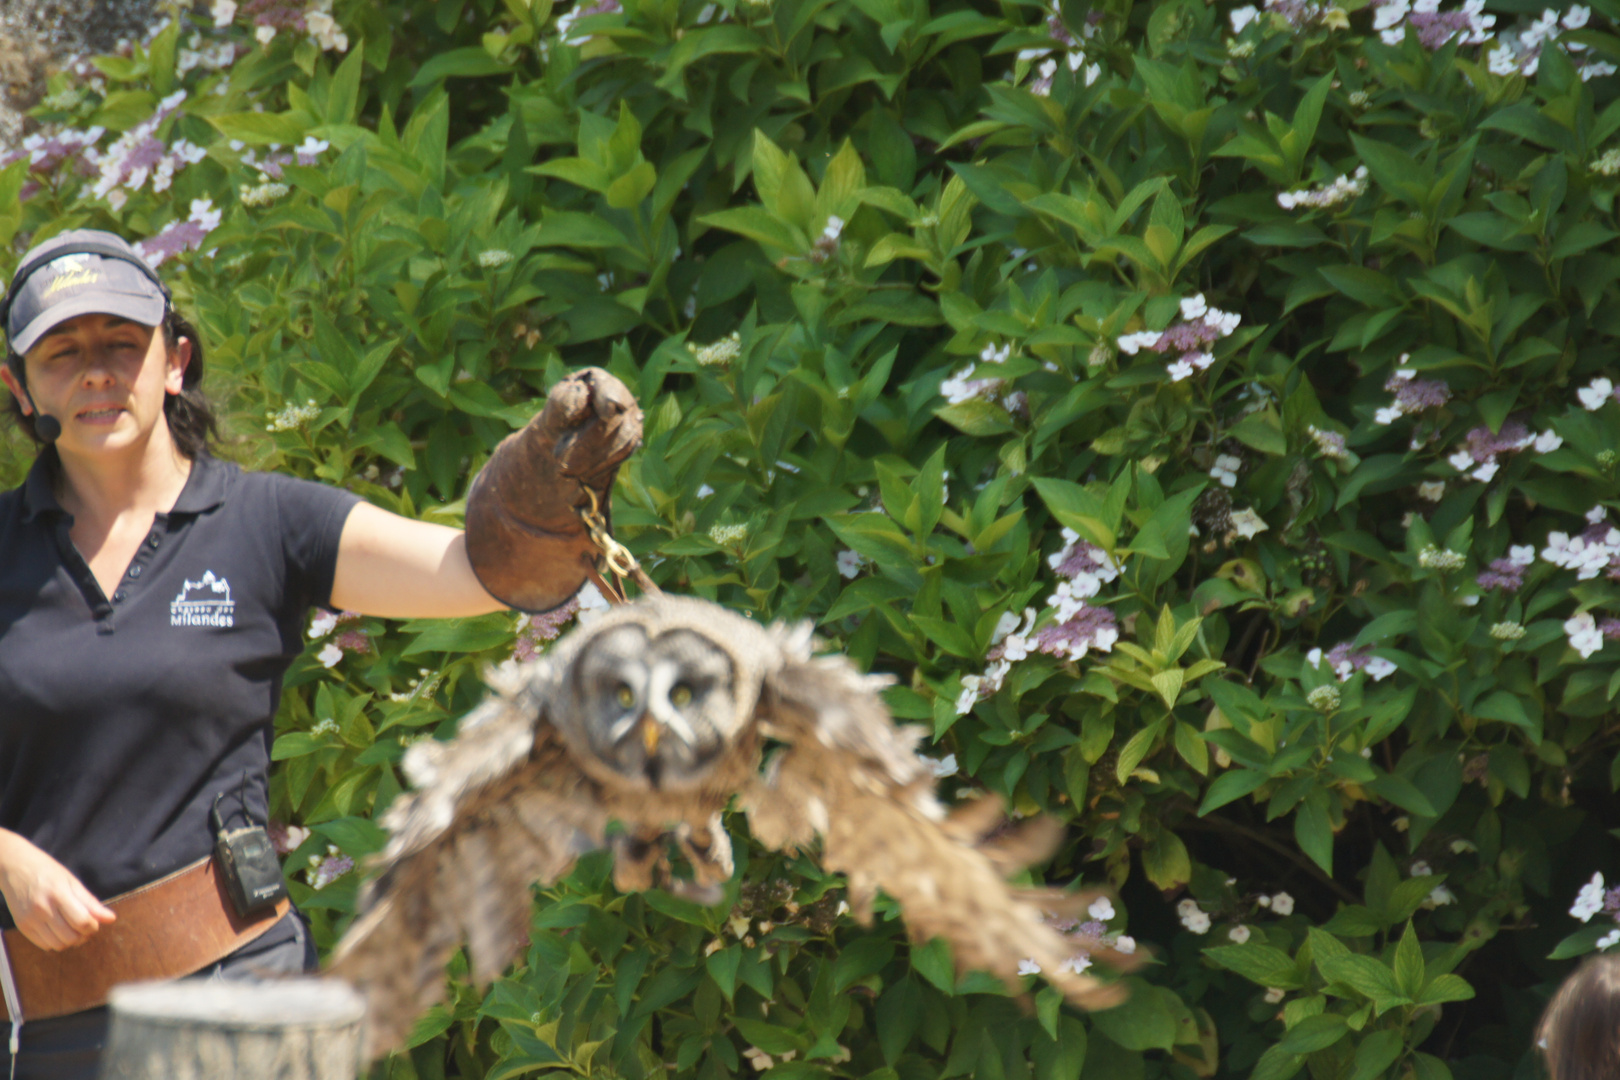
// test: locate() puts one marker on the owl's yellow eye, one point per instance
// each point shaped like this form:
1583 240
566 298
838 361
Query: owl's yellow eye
626 696
680 696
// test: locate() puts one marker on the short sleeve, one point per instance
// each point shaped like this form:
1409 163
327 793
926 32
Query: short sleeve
311 518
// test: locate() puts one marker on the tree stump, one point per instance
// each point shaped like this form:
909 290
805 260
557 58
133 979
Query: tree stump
298 1029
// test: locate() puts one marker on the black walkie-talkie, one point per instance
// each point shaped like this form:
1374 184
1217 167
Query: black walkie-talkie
247 860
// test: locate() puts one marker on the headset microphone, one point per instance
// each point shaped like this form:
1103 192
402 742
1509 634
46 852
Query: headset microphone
48 427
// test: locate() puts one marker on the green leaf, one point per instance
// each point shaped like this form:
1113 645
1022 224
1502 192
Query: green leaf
722 967
1146 1020
1261 430
1314 1033
1409 968
262 129
1262 965
1137 748
1277 1064
1313 831
933 962
755 223
459 635
1229 787
1376 1053
1511 709
1367 976
1579 943
1446 988
1165 861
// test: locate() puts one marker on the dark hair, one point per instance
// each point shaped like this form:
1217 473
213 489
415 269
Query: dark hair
1579 1034
192 425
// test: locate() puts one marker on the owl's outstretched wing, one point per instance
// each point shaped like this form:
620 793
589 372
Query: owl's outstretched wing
501 806
851 776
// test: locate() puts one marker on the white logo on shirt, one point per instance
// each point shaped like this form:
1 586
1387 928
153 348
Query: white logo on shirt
214 607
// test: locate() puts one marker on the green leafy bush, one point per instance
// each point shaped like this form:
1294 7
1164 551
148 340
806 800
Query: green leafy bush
1207 415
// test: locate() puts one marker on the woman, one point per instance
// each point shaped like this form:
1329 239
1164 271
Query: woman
152 597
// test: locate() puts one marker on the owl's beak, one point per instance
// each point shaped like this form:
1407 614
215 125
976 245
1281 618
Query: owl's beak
649 733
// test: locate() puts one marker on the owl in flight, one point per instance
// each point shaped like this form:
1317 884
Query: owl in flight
655 715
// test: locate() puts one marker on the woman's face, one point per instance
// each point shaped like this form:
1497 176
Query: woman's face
104 378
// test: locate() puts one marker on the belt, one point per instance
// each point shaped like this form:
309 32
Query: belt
174 926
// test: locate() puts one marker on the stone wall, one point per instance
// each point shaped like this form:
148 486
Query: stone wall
38 36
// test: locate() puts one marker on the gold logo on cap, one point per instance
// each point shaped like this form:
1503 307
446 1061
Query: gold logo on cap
69 272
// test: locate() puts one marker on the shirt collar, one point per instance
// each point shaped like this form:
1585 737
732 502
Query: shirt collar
204 490
39 490
205 487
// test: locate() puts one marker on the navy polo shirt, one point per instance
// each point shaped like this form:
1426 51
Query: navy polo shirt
122 716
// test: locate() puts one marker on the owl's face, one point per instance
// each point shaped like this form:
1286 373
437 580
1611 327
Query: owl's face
657 708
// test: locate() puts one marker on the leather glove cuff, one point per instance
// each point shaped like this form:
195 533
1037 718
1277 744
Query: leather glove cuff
525 539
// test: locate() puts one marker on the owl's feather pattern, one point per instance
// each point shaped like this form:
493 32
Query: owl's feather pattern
654 715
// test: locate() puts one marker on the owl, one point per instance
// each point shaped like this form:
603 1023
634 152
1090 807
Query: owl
656 716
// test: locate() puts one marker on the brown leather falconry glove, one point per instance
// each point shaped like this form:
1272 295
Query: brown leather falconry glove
525 539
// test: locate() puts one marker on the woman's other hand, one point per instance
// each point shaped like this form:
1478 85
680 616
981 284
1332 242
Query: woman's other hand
51 907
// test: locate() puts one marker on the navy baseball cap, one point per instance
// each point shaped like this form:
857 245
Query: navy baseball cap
80 272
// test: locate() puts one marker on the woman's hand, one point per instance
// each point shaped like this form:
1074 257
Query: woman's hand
52 908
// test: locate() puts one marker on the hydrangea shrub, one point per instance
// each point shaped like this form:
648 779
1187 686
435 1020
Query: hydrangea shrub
1207 413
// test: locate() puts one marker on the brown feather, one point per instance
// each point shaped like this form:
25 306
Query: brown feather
525 788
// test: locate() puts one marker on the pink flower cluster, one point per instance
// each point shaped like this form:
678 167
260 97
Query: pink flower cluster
45 151
1075 628
179 237
1434 27
325 870
1412 395
1507 575
1346 661
349 637
1084 936
139 155
1477 457
1191 339
1518 51
535 630
1071 48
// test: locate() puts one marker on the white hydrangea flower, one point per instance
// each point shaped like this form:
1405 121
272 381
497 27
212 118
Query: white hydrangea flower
1125 944
1548 441
965 700
1101 909
1282 904
1590 899
1239 934
1225 469
1028 966
1584 635
1242 17
1595 393
322 624
329 655
1247 524
849 563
